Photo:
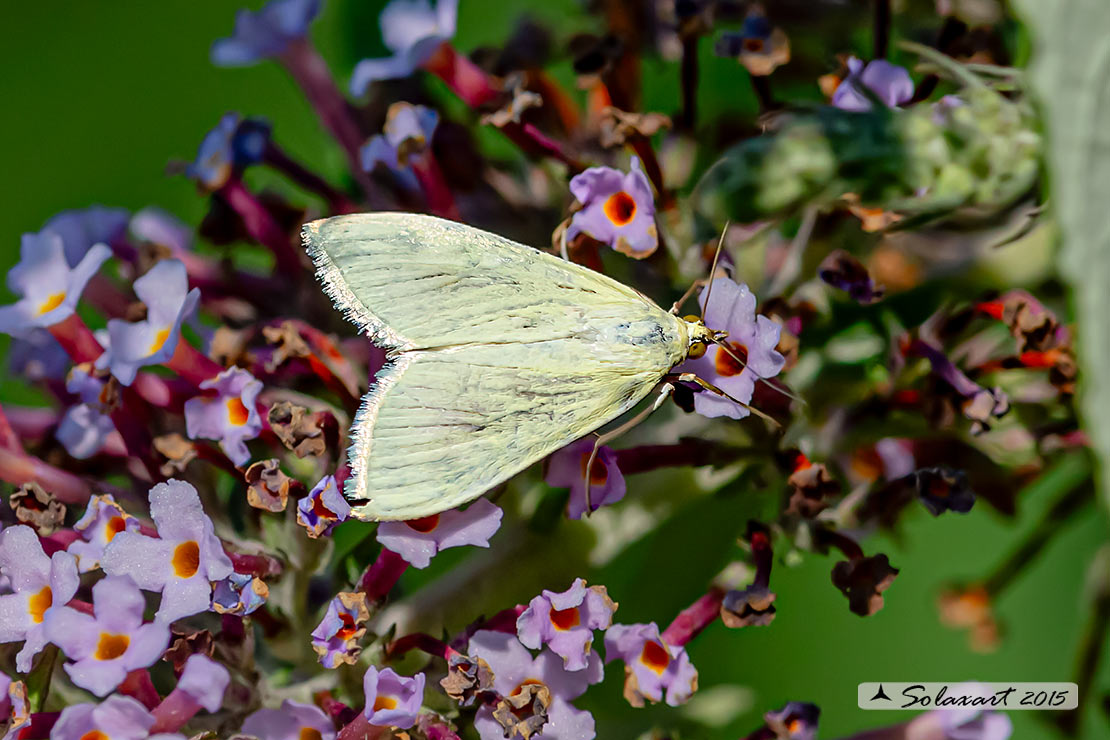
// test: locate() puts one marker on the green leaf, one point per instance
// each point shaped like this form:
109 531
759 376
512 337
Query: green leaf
1070 74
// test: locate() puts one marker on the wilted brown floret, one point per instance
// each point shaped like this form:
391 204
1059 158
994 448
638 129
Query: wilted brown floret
466 678
524 713
301 430
267 487
186 644
971 608
37 507
177 450
618 126
810 486
863 581
752 606
288 344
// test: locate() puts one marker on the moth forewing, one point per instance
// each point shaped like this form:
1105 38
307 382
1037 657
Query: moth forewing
501 355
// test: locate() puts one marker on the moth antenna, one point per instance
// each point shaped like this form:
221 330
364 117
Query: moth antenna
713 268
728 351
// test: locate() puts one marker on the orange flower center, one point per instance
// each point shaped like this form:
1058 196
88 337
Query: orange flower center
726 365
237 413
39 603
939 488
114 526
111 646
598 472
186 559
385 702
424 524
655 657
309 733
320 509
95 735
160 338
51 303
753 45
564 619
620 208
347 631
525 682
793 726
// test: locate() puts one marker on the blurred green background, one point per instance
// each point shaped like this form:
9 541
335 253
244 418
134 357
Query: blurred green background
101 96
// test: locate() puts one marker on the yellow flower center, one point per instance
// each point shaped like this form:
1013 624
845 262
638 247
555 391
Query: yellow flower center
237 413
726 365
39 603
114 526
160 338
385 702
309 733
110 646
186 559
51 303
95 735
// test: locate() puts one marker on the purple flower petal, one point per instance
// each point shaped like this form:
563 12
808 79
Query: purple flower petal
230 416
117 717
264 33
81 228
204 681
567 469
419 539
617 208
293 721
101 522
655 670
889 82
392 699
412 30
323 508
565 622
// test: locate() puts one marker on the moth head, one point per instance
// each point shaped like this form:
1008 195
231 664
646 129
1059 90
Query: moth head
700 336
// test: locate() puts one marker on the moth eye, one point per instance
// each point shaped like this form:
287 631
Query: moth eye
697 349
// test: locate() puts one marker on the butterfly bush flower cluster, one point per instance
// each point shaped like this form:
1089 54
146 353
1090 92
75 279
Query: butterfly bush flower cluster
182 551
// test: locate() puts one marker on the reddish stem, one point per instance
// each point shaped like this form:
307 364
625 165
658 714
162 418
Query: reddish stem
261 566
420 641
694 618
78 605
174 711
192 364
138 685
436 191
76 339
504 620
465 78
361 729
309 69
277 158
18 468
382 575
58 541
262 227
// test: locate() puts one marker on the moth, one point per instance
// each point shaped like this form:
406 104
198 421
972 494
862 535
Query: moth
499 355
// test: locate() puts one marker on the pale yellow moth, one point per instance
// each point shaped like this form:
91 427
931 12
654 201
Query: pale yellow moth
499 355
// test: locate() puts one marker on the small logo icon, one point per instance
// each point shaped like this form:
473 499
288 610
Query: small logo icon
880 694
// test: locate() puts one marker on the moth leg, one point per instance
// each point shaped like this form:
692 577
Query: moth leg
563 244
691 378
664 391
699 283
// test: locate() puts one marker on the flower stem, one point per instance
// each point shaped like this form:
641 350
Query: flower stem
277 158
420 641
19 468
694 618
262 227
382 575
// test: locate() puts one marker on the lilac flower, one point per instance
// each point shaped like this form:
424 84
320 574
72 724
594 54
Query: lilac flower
155 226
392 700
565 622
40 585
335 639
797 720
203 683
417 540
323 508
107 646
165 291
567 469
617 208
184 559
514 668
751 338
230 416
230 147
407 132
15 710
294 721
36 355
116 718
266 33
82 228
652 667
972 723
889 82
85 427
48 287
239 593
101 522
759 46
413 31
